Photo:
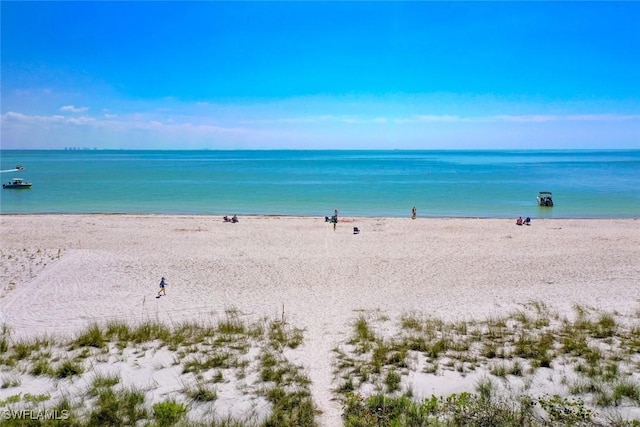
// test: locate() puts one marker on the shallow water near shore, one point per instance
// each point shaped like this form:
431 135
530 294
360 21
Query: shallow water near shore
488 183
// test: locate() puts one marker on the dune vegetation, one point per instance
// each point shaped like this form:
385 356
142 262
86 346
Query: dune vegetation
531 367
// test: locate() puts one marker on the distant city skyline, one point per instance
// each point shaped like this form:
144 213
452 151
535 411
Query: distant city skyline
320 75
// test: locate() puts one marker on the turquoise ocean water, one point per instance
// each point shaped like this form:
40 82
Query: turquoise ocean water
492 183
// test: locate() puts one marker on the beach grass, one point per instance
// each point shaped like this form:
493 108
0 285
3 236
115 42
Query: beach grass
380 368
591 354
209 358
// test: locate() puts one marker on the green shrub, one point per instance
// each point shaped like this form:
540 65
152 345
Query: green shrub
119 330
410 322
202 393
393 381
605 326
363 332
68 369
627 389
564 410
92 337
169 412
101 382
150 331
118 408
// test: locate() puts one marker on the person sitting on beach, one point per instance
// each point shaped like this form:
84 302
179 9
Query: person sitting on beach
527 221
226 219
234 219
519 221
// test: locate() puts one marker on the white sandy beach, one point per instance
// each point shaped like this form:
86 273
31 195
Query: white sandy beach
58 273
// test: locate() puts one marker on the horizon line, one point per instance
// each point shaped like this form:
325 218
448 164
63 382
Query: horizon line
316 149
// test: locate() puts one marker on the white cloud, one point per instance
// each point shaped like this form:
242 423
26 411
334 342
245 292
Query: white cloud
435 119
523 118
72 109
299 125
13 117
542 118
603 117
529 118
19 118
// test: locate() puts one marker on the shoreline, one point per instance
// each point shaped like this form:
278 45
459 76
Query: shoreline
266 216
62 272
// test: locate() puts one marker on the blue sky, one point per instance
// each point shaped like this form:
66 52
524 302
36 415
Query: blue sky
361 75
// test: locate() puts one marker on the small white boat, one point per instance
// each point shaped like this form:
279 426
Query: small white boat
545 198
17 183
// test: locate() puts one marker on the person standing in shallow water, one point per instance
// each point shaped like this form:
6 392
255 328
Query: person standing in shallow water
414 212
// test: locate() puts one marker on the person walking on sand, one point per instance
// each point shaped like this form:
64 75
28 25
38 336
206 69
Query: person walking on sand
414 212
162 290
